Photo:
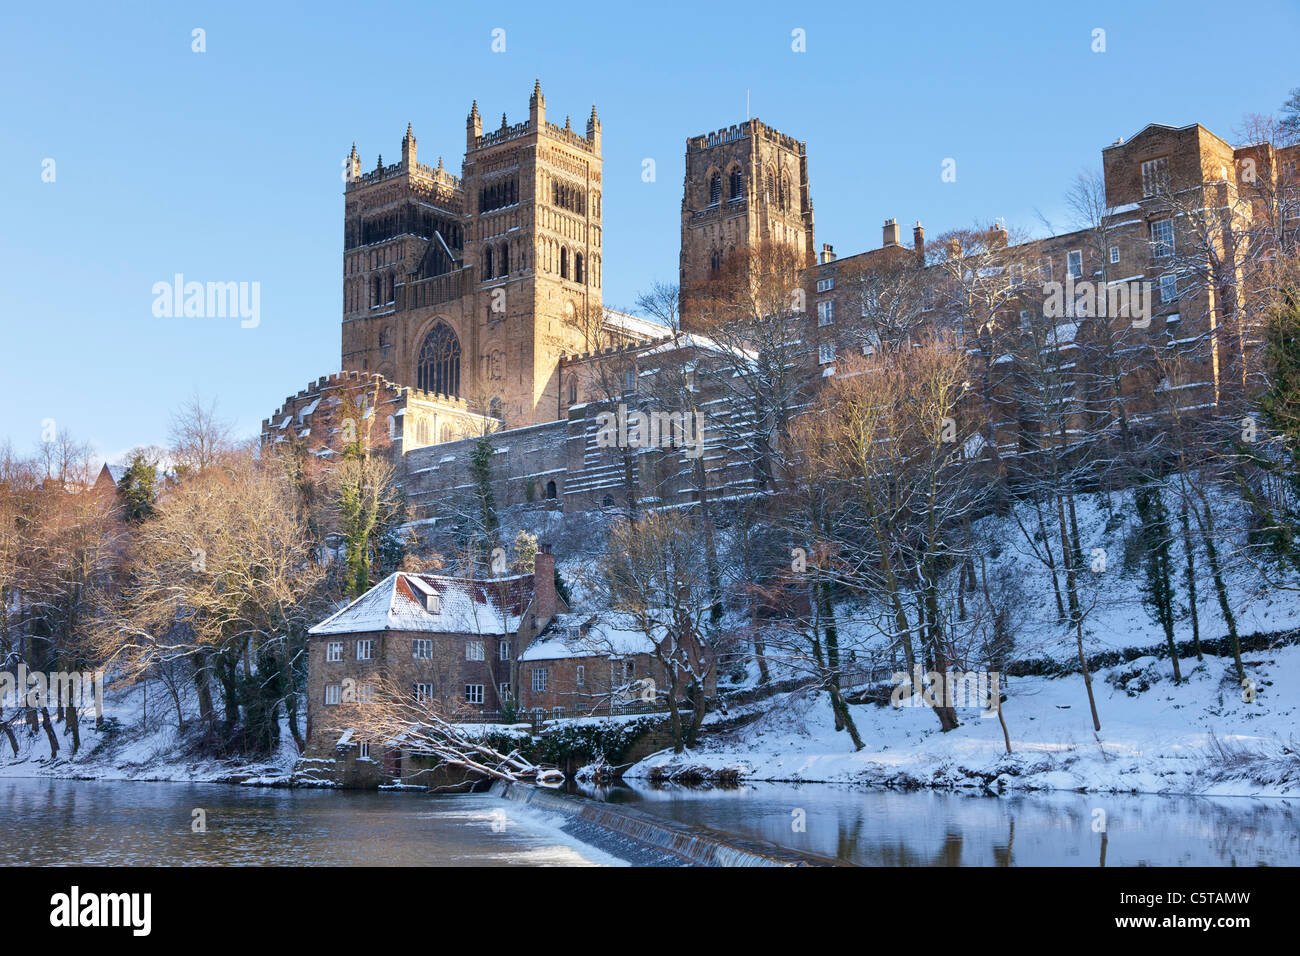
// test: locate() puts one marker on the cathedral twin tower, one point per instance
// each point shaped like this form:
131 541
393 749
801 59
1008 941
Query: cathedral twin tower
473 287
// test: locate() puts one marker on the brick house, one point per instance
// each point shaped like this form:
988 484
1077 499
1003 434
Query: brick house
454 640
594 663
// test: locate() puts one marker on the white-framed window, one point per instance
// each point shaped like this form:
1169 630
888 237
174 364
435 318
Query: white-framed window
504 690
473 650
1155 176
363 750
473 693
557 710
582 675
1114 254
1024 319
334 652
825 285
422 648
541 678
365 650
826 354
365 693
1169 288
503 650
1074 263
1017 272
1045 267
1162 238
333 694
423 692
629 380
826 312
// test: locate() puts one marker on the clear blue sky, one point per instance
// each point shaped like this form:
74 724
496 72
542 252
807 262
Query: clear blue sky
226 165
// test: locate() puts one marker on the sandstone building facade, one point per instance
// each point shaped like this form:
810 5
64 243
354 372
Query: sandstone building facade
469 303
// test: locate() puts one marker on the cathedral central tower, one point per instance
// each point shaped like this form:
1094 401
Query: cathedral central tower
473 286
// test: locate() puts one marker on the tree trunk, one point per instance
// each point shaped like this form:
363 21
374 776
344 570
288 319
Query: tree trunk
1087 676
49 732
1206 521
1190 553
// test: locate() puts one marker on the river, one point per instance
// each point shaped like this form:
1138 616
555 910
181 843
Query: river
52 822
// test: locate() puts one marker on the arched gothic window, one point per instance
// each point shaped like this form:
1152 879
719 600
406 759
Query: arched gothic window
736 186
577 267
487 263
422 432
504 264
715 261
374 291
550 489
564 263
446 433
715 189
439 366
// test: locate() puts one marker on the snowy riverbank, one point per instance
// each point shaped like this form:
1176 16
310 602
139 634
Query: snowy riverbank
1199 736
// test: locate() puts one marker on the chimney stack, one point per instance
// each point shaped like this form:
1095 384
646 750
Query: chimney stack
891 233
544 598
918 237
828 252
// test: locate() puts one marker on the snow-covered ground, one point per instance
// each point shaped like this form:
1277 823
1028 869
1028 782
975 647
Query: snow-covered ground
128 749
1196 737
1200 736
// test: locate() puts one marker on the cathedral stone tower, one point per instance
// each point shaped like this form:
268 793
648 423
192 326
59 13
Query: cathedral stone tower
473 286
745 185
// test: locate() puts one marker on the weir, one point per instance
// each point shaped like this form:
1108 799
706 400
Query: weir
643 839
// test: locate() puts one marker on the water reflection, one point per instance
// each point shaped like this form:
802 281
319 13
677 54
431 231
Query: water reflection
55 822
923 828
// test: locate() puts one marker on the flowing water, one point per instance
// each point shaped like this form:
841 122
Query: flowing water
45 822
925 828
51 822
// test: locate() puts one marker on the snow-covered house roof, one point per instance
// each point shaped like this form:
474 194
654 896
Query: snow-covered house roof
435 603
609 634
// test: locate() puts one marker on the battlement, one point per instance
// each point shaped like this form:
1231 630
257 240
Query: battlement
739 131
396 170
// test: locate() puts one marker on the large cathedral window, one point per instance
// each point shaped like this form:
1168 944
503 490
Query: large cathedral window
438 370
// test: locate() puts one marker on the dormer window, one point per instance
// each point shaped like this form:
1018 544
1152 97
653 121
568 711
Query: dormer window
431 602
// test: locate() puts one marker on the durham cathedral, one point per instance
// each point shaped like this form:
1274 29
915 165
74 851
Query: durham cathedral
472 304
